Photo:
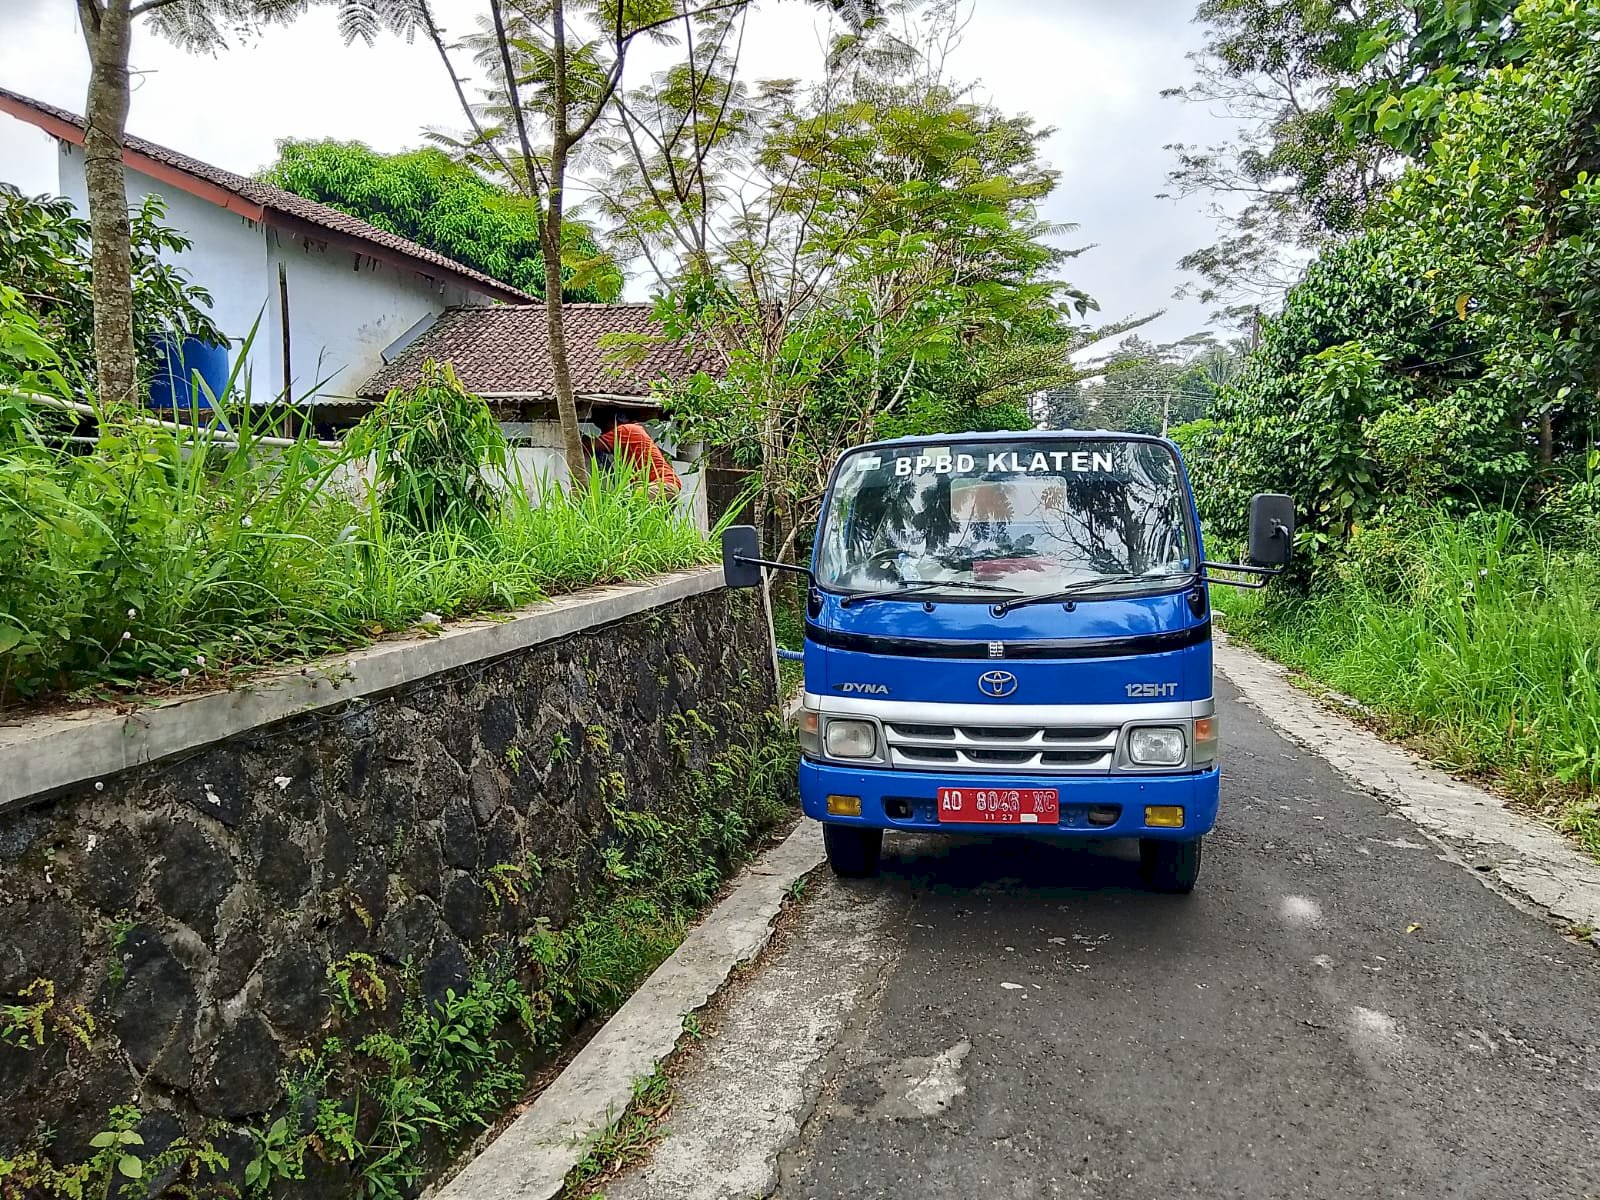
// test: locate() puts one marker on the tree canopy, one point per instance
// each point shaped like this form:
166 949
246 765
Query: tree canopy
1447 356
1332 99
445 205
865 252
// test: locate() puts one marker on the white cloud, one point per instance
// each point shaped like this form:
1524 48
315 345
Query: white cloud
1089 68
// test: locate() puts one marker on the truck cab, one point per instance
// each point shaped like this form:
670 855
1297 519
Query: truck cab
1011 632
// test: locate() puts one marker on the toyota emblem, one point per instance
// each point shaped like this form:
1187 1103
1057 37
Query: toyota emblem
998 684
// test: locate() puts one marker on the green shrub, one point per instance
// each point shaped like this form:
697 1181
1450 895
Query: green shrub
437 453
165 555
1471 637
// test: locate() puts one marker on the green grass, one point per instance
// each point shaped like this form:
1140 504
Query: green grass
1472 640
153 561
625 1141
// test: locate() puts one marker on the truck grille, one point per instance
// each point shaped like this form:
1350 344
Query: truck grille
1022 748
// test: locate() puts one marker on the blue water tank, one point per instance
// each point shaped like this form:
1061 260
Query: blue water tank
181 358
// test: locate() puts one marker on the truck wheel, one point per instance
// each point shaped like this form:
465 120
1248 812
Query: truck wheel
1169 866
853 852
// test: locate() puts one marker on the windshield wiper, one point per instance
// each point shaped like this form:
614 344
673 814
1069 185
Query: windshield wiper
915 587
1087 585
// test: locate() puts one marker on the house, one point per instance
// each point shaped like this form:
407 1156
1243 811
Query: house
348 311
331 293
502 354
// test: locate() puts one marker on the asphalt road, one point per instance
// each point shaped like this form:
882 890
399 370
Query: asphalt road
1338 1011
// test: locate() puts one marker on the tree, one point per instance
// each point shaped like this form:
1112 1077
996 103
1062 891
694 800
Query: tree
1446 358
553 68
1332 98
1141 387
865 253
46 256
445 205
108 33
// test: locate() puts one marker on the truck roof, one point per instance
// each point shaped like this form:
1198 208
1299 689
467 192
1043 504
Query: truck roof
1026 435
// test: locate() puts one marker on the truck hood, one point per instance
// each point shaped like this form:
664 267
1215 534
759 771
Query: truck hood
1148 648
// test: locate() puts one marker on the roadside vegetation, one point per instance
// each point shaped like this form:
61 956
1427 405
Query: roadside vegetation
1474 642
1427 392
150 557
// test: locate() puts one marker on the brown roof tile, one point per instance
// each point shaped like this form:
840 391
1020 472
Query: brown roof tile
503 351
60 123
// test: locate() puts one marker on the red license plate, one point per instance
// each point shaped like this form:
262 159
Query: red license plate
999 806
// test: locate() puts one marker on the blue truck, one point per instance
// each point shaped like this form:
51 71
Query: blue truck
1011 632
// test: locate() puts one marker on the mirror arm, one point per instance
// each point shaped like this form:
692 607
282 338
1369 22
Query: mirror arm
1265 574
793 568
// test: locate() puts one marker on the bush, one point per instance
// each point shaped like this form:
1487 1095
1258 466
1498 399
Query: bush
44 254
166 555
1472 637
437 453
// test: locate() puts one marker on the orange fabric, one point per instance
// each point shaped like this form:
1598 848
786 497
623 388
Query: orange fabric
634 445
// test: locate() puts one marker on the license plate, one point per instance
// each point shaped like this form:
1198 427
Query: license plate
999 806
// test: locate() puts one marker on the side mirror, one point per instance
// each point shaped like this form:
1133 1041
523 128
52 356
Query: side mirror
1271 529
741 546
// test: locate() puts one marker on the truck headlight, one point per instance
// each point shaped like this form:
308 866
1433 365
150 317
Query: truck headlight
1156 746
852 739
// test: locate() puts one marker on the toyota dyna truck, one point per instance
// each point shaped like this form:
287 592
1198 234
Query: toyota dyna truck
1011 633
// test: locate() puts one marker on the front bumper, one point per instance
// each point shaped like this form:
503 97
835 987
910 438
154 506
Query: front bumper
908 800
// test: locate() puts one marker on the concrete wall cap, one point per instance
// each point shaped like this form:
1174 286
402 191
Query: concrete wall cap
43 755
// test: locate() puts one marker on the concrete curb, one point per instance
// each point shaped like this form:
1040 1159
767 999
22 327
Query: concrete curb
1513 853
531 1159
40 756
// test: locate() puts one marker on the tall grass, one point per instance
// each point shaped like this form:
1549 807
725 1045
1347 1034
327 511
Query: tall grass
1474 640
155 557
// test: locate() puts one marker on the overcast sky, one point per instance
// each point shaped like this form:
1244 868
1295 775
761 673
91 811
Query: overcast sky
1089 68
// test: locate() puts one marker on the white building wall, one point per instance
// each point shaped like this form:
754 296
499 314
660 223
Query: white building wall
344 309
228 254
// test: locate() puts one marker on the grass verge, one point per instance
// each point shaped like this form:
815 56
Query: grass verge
156 557
1474 642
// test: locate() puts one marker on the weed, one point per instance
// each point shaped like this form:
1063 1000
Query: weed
560 748
514 757
596 739
507 883
279 1155
117 971
24 1025
117 1168
355 983
625 1140
162 555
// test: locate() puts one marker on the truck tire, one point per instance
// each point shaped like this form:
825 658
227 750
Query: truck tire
1169 866
853 852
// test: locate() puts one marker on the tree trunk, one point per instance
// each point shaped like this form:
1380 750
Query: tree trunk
555 326
566 404
107 33
1547 439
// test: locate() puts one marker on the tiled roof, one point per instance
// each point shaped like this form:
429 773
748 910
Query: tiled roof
59 122
504 351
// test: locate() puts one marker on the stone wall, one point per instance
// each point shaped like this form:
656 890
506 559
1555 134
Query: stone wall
169 929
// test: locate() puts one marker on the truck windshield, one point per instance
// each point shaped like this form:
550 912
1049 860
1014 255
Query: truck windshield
1011 517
